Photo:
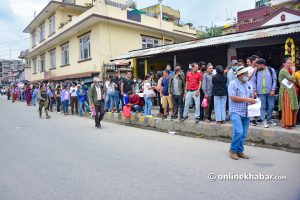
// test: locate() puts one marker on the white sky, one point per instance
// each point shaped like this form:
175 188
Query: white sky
15 15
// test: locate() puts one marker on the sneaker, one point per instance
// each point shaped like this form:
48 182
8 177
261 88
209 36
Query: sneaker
184 118
253 123
198 119
272 123
48 116
174 117
164 116
242 155
266 125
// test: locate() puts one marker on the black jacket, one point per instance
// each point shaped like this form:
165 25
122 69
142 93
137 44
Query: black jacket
219 85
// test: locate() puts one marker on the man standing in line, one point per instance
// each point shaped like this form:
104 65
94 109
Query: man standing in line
231 73
207 87
166 98
96 96
117 82
127 85
192 91
240 96
176 90
264 86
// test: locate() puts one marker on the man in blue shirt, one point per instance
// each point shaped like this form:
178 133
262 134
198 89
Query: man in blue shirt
240 96
264 86
165 96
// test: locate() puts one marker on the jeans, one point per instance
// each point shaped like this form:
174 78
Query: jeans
220 107
189 96
33 100
115 100
74 103
52 100
80 107
178 105
240 126
107 103
58 104
208 109
148 106
65 106
136 108
266 101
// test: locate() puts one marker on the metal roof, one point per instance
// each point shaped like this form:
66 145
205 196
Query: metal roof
225 39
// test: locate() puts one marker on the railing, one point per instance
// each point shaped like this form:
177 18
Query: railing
116 4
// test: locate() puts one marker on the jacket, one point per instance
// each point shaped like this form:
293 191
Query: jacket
181 85
93 95
207 85
219 85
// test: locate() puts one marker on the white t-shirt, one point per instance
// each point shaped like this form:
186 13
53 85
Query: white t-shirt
98 90
73 91
250 72
146 85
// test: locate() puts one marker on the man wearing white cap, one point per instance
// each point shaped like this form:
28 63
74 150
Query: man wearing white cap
240 96
96 96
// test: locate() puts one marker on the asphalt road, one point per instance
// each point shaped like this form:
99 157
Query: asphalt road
66 158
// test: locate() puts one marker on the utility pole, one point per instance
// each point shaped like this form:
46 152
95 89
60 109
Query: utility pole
161 17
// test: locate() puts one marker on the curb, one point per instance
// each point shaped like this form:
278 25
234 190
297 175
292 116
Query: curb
277 138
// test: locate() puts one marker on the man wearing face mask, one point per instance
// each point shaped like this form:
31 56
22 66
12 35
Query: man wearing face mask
231 74
240 96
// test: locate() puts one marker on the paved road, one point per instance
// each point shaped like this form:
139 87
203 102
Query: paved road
66 158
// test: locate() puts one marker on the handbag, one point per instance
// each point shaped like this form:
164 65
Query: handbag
204 103
150 94
126 111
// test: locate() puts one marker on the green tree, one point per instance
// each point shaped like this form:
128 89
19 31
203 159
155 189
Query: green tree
210 32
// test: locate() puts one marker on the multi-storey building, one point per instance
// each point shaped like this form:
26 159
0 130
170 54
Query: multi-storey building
8 68
74 39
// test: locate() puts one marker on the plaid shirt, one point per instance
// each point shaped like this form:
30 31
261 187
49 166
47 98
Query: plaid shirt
239 89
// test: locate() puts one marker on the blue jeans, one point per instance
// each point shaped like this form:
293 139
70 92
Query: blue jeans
65 106
148 106
80 104
136 108
220 108
107 103
189 97
266 102
115 100
33 100
240 127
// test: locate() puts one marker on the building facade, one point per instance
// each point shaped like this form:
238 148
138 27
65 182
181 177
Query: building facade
74 39
8 69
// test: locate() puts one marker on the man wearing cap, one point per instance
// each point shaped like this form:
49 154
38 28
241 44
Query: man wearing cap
96 96
240 96
231 73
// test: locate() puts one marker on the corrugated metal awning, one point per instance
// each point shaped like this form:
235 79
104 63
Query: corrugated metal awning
225 39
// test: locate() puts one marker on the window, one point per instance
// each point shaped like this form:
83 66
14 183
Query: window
33 35
85 47
148 42
42 32
52 59
34 66
65 54
42 63
52 24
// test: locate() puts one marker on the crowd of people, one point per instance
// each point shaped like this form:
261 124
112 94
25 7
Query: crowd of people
203 87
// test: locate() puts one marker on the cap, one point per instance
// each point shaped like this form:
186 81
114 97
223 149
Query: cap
234 62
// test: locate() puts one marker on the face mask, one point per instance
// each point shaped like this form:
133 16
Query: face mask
190 67
234 68
140 81
134 80
245 78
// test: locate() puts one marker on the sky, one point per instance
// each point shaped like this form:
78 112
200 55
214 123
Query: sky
15 15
